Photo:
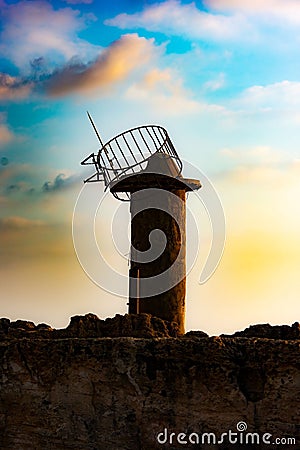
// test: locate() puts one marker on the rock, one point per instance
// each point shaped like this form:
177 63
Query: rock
271 331
129 325
22 325
121 393
195 334
43 327
90 326
4 325
139 325
83 326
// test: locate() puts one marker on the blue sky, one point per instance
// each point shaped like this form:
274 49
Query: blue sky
221 75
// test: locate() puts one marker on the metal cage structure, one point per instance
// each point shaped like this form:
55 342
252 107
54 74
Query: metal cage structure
128 153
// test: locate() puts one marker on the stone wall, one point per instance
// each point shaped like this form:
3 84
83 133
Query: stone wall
68 390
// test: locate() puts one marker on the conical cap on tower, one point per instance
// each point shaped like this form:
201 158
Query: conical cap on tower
163 164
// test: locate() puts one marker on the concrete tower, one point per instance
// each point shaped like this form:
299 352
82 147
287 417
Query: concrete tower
157 281
151 180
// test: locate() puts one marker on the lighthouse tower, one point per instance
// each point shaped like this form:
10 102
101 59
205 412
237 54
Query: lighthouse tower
142 166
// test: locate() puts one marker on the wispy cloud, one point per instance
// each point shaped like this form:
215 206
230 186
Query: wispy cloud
172 17
78 2
287 10
18 223
34 28
27 182
258 155
13 88
283 96
113 65
216 83
61 182
6 135
262 166
164 90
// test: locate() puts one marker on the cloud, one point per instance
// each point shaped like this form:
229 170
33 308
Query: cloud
13 188
18 223
13 88
215 84
113 65
35 28
260 154
262 166
77 2
61 181
284 10
19 181
172 17
15 173
164 90
282 96
5 134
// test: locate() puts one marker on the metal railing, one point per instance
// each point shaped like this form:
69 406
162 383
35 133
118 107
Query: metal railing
128 153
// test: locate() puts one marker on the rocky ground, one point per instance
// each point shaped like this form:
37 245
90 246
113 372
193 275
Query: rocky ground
129 382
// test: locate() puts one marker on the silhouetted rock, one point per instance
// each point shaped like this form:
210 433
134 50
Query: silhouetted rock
132 325
195 334
82 326
129 325
22 325
90 326
4 326
270 331
43 327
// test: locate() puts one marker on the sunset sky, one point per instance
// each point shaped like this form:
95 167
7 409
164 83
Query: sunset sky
222 76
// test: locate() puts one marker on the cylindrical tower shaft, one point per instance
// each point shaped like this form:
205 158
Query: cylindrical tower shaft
157 279
157 266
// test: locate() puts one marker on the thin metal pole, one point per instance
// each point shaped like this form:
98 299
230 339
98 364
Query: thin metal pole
95 129
138 291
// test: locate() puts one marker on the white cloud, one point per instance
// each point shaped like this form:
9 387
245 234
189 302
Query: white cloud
259 155
263 166
172 17
281 96
216 83
164 90
283 10
265 177
34 28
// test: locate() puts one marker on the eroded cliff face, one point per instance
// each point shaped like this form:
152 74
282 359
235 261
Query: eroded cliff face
82 393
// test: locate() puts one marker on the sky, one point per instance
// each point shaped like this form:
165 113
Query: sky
222 76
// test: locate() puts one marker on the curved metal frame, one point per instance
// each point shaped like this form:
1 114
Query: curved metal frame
128 152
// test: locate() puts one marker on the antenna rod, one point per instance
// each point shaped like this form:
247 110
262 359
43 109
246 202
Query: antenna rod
95 129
